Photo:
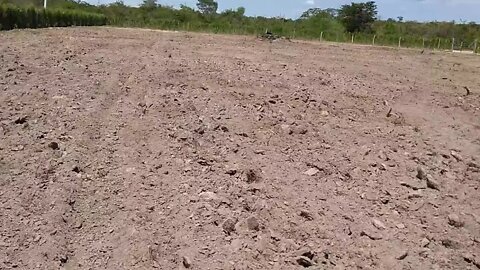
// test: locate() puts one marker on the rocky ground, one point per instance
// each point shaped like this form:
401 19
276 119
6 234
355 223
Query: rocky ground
137 149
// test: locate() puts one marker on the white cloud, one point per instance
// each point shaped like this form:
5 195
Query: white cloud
310 2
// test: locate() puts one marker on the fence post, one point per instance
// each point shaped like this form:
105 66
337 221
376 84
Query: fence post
475 46
438 47
453 43
399 42
373 41
461 45
353 36
321 36
423 43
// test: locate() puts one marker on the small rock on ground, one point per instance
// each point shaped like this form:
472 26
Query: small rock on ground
252 176
425 242
421 173
304 261
54 145
253 224
378 224
231 171
432 183
208 196
306 214
456 156
311 171
402 256
186 262
454 220
371 235
229 225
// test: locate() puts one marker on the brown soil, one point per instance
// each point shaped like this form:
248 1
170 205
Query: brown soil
134 149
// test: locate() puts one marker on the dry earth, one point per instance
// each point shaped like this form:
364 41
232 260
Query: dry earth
134 149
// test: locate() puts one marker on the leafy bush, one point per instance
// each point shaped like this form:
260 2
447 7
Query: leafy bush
12 17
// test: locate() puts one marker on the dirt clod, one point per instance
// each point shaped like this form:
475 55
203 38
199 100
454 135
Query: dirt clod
21 120
402 256
304 261
452 244
371 235
253 224
186 262
306 214
229 225
63 258
454 220
432 183
378 224
456 156
231 171
76 169
311 171
421 173
424 242
252 176
53 145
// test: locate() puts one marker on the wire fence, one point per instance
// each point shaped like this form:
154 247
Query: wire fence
427 42
433 43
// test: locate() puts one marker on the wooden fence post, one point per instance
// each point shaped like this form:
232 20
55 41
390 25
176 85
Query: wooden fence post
475 46
353 36
423 43
438 47
373 41
321 36
453 43
399 42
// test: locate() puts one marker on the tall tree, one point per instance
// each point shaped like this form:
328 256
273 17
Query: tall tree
241 11
358 17
314 12
207 6
149 4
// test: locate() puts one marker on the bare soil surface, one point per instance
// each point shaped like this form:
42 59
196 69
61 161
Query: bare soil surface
135 149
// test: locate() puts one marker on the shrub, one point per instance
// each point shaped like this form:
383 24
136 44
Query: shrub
12 17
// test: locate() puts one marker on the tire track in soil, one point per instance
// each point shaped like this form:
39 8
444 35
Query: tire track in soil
105 122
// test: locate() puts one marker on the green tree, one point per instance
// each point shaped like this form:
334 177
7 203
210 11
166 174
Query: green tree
207 6
314 12
149 4
241 11
237 14
358 17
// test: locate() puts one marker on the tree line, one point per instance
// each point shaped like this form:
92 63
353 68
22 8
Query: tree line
357 20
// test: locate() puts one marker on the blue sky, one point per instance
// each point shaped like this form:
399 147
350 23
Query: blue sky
420 10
